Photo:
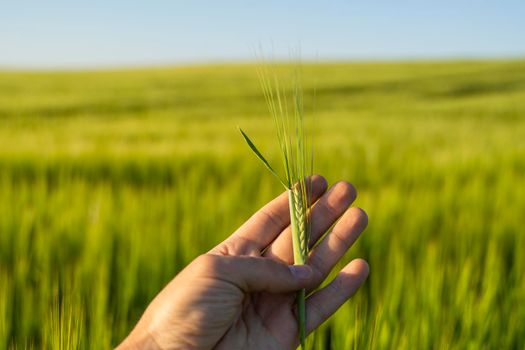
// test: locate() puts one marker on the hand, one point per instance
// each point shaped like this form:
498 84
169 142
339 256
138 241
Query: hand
240 295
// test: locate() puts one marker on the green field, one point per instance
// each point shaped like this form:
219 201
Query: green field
111 181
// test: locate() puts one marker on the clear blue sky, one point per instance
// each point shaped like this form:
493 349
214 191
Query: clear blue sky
56 34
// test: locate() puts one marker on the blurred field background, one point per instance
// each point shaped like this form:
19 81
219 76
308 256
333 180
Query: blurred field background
111 181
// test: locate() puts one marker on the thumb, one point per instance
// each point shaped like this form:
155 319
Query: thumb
257 274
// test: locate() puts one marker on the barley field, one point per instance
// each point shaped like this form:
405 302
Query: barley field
111 181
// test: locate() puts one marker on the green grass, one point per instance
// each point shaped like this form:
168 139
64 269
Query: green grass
103 176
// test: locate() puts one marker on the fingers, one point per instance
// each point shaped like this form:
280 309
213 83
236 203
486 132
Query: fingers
256 274
266 224
324 213
335 244
322 304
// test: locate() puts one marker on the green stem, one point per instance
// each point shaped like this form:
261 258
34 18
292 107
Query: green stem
301 313
299 259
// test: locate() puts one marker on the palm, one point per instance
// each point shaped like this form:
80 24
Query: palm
263 319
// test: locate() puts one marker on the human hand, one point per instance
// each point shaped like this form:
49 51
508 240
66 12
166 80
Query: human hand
241 294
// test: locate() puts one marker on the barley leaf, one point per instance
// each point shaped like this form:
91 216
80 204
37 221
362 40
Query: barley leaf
261 158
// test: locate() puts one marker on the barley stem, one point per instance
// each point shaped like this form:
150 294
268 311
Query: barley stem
297 159
300 252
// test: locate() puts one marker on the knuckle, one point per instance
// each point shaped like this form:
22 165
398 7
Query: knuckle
269 217
320 268
209 263
337 286
318 313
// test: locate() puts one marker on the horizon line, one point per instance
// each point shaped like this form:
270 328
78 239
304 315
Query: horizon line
244 61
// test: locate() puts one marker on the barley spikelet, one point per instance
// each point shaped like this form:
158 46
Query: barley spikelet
301 218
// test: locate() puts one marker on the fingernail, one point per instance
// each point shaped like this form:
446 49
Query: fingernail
301 271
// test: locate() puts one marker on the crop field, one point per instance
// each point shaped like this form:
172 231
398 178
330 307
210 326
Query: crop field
112 181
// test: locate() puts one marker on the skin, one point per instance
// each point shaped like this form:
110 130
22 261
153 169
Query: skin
240 295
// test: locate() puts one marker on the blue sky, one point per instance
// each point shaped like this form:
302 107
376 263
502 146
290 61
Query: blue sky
63 34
